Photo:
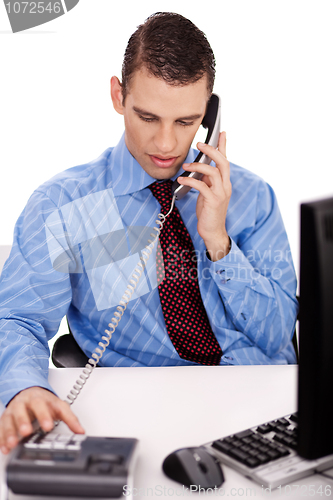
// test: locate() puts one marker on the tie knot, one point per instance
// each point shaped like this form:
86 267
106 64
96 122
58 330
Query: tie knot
162 192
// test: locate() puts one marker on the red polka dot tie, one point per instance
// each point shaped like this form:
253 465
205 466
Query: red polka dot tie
184 313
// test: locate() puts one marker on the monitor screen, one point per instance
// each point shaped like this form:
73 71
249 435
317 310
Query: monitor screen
315 379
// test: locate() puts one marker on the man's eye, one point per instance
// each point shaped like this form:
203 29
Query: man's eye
185 124
146 119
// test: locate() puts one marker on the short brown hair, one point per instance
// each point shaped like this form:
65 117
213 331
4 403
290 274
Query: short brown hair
171 47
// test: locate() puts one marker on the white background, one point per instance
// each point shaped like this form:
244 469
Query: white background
274 74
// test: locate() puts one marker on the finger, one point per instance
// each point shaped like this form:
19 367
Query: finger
211 175
64 413
207 180
222 146
23 419
42 412
214 154
3 448
202 168
219 159
9 433
196 184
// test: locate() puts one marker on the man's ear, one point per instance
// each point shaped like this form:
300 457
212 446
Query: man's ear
117 95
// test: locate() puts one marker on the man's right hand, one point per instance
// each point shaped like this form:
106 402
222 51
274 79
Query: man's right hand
28 405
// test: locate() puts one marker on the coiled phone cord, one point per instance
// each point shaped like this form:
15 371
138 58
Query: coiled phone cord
120 309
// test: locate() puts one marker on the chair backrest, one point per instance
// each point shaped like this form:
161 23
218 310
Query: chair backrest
66 353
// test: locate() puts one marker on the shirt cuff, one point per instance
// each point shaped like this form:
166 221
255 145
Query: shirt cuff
10 388
234 271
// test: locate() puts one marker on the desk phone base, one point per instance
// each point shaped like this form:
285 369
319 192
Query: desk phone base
74 465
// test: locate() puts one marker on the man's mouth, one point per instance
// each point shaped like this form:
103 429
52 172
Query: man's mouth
163 162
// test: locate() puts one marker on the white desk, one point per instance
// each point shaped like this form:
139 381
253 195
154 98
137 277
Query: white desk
4 254
170 408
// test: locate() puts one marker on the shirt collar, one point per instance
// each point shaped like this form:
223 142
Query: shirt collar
127 174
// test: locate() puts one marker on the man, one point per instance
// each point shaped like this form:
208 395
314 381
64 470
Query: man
236 301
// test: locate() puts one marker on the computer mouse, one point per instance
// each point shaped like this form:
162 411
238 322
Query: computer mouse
193 467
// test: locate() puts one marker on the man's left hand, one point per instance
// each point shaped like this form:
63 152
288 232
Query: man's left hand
214 195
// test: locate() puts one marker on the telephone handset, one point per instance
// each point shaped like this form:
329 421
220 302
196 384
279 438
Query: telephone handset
211 121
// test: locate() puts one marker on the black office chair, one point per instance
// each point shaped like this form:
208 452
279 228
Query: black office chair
66 352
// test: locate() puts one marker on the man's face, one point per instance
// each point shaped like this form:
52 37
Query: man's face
161 120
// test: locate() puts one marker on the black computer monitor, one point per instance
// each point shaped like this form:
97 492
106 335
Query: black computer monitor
315 379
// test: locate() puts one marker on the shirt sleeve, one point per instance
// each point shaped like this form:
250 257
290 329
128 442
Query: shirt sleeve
257 281
34 297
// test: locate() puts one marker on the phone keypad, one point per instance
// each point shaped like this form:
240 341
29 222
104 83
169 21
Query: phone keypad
41 441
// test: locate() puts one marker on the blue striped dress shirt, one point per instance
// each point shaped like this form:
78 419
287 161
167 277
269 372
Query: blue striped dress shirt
77 242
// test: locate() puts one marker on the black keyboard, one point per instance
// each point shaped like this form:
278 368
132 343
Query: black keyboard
267 453
263 444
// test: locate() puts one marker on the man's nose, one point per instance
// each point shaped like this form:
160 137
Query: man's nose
165 139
